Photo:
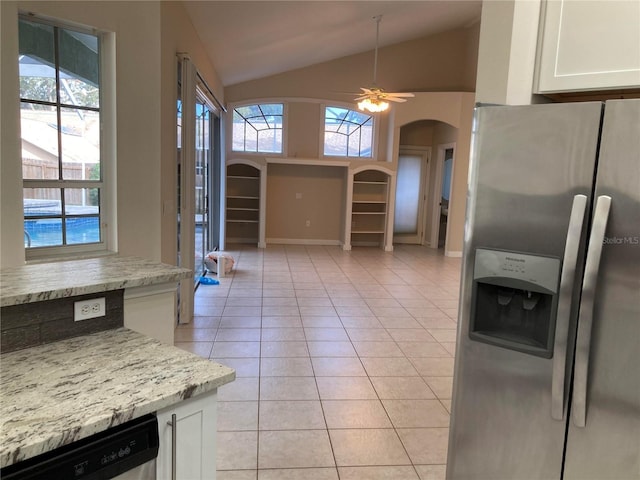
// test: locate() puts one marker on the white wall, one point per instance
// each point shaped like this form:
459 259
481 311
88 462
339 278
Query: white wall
507 51
11 223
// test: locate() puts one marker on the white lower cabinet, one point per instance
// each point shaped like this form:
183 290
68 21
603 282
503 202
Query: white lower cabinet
194 438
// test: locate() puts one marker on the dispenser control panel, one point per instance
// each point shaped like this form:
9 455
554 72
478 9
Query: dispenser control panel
541 271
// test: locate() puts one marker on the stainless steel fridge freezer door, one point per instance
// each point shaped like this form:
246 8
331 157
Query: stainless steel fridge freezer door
608 446
528 164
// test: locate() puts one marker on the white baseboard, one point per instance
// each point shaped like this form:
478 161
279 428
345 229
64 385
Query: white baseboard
304 241
455 254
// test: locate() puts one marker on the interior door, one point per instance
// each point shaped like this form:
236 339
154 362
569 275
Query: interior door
607 446
408 223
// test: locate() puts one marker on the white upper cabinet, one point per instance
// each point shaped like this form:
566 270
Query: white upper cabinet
588 45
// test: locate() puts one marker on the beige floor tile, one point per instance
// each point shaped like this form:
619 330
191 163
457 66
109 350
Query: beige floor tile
410 335
331 349
240 322
361 322
236 474
200 321
288 388
240 390
354 311
325 473
323 301
338 367
279 301
270 291
416 413
284 349
367 447
352 301
244 301
321 321
449 347
433 367
236 349
237 416
394 312
399 322
238 335
441 386
355 414
195 334
443 334
382 302
431 472
282 334
277 321
438 322
294 449
280 310
369 335
202 349
237 450
377 349
311 292
345 388
423 349
378 473
235 292
317 310
291 415
446 402
402 388
207 310
241 311
286 367
389 367
326 334
244 367
426 446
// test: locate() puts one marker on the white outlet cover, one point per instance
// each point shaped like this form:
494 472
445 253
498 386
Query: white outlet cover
90 308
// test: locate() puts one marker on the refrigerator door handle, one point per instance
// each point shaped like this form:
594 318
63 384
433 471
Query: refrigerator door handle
567 278
589 284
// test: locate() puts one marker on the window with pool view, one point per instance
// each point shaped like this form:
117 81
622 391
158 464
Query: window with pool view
60 128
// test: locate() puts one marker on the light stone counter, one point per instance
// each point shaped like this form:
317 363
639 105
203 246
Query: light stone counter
48 281
54 394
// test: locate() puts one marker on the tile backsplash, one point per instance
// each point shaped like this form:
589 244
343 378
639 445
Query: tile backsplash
37 323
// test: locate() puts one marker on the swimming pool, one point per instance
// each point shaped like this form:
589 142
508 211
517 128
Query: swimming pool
47 232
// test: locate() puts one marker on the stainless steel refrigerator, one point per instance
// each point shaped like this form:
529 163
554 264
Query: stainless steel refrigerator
547 370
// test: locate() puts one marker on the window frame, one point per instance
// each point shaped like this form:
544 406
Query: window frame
106 213
230 125
323 131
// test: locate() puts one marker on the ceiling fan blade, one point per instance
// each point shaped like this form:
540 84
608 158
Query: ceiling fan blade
366 90
398 94
362 98
394 99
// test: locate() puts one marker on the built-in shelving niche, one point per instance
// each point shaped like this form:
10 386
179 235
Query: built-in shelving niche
369 208
243 204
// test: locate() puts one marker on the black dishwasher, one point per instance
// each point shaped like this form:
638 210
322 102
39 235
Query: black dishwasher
125 451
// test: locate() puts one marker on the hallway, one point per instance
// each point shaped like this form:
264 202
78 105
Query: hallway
344 361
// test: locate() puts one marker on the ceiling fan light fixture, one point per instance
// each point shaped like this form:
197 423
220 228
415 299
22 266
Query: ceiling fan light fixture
373 105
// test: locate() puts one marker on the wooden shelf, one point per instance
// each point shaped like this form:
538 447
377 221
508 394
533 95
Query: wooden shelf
243 203
369 206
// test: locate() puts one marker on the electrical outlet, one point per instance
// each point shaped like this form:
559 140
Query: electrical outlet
91 308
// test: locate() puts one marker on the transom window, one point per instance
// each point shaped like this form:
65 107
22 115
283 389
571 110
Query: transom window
347 133
60 128
258 128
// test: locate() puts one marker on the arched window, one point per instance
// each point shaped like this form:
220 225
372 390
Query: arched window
258 128
347 133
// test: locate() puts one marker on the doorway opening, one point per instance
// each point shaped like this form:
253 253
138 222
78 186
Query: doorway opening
411 186
442 195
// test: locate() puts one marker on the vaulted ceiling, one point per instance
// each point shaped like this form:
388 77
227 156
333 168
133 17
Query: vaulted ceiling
247 40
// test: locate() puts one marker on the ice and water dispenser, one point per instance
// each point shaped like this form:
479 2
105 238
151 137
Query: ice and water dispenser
514 301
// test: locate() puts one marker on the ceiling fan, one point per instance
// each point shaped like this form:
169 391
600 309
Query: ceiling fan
374 98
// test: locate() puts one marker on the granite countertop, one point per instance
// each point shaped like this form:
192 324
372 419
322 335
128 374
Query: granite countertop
54 394
47 281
